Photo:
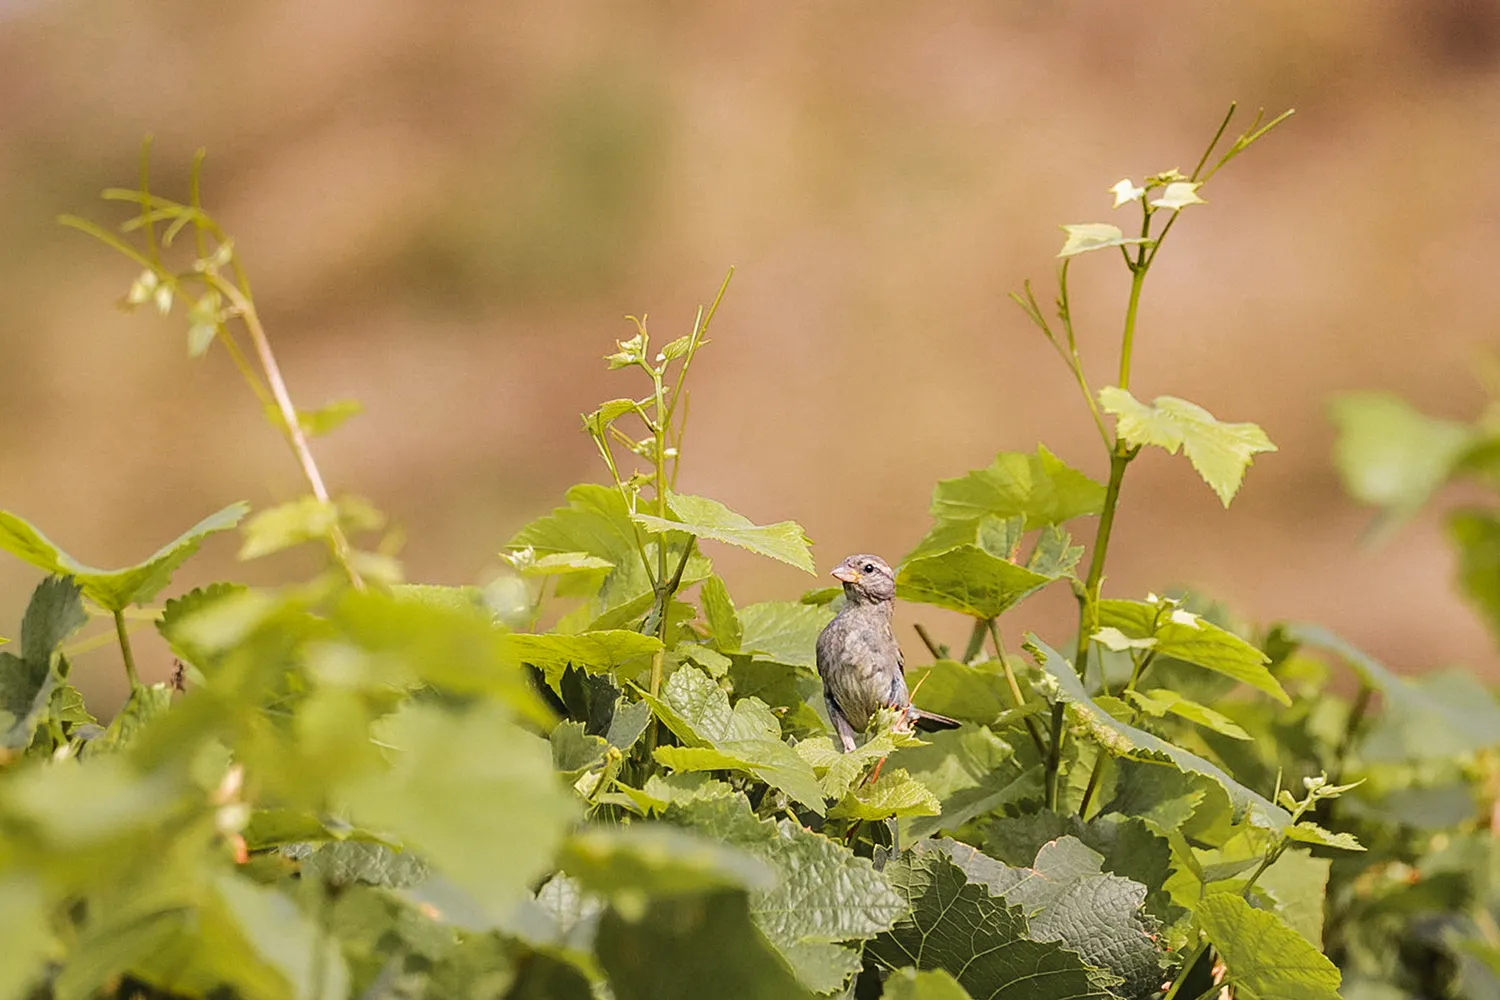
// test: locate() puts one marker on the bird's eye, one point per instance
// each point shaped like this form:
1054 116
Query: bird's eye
868 567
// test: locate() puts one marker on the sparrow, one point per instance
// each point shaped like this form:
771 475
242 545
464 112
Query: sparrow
859 658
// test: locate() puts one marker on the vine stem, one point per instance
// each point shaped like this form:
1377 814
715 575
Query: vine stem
125 651
1187 968
246 311
1088 605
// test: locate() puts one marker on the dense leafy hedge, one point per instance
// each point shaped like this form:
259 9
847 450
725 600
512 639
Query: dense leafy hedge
361 788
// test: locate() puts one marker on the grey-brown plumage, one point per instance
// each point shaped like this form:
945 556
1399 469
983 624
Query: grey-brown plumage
859 658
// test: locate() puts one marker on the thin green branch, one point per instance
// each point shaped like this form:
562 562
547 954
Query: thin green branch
1015 688
976 641
1223 125
937 649
125 652
244 308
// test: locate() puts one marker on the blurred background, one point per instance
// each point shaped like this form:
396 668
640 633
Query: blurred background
447 209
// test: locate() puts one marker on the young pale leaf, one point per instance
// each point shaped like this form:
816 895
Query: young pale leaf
1113 639
955 924
1178 195
1125 192
609 412
1124 740
114 590
1086 236
1267 960
1220 452
1187 637
704 518
1039 487
1389 454
1308 832
1160 701
461 781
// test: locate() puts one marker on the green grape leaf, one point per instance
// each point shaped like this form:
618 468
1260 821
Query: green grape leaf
146 703
955 924
678 947
1476 537
1159 701
629 863
276 935
823 895
1308 832
574 750
914 984
114 590
967 579
305 519
783 631
595 522
346 862
1220 452
25 919
1124 740
718 610
1039 487
628 654
463 780
838 771
976 693
770 760
1392 456
1443 714
1298 883
894 794
528 563
701 517
1185 636
1086 236
971 771
28 682
1267 960
1068 898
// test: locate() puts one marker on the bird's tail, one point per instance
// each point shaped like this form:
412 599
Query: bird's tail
930 721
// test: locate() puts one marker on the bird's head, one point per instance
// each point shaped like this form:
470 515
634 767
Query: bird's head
867 579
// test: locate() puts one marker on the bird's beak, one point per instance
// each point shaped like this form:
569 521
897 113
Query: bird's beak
845 574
